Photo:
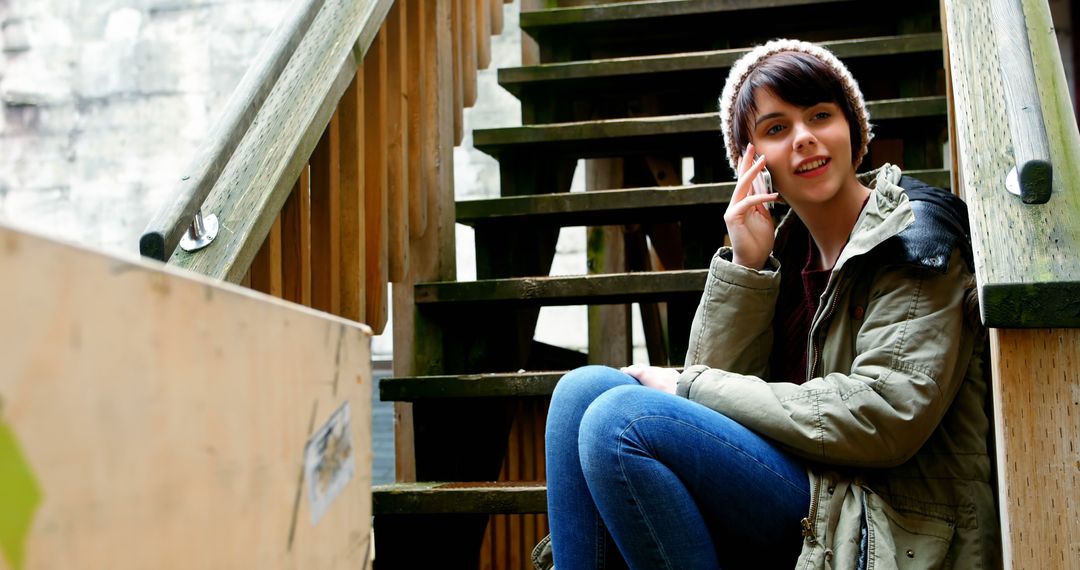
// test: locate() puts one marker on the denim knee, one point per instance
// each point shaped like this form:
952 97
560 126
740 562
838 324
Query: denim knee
607 418
582 385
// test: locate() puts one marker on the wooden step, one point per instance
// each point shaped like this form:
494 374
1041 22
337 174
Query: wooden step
459 498
615 207
659 26
503 385
615 288
693 70
698 132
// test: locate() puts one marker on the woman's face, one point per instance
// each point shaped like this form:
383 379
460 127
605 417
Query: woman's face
807 149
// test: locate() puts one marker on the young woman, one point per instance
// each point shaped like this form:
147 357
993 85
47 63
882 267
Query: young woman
831 413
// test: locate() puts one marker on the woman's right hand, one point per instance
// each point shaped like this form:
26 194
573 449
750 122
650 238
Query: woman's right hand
749 224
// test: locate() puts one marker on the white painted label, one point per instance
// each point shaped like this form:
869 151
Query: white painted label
328 462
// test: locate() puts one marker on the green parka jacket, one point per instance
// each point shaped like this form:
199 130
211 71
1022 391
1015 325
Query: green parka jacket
893 415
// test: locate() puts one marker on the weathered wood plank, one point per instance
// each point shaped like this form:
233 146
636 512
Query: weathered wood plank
602 71
1036 382
447 498
589 139
296 242
607 207
326 220
502 385
142 398
351 233
254 185
1026 263
577 290
533 20
376 201
398 149
417 91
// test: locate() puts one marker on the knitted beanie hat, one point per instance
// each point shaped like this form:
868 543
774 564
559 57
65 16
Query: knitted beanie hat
742 69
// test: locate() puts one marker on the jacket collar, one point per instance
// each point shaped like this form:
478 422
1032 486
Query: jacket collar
885 215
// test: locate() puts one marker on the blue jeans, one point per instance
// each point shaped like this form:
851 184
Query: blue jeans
651 480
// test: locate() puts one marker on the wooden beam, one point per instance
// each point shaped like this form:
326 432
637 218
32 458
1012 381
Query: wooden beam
458 18
398 147
610 334
351 235
483 34
446 498
156 410
375 185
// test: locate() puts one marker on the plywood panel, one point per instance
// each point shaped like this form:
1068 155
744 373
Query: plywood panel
161 418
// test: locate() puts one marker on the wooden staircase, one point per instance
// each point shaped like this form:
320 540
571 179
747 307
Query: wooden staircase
631 87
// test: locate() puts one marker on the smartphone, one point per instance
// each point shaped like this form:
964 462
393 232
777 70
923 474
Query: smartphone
762 184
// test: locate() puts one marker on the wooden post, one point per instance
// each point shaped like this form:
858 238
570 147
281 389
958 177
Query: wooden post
375 190
483 34
496 19
468 44
266 267
1036 377
458 69
351 245
325 220
610 340
419 100
296 243
397 127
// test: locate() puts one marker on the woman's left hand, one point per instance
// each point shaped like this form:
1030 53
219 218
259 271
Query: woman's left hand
663 379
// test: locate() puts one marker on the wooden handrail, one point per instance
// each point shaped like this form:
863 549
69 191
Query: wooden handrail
1026 264
245 170
1034 173
163 233
1029 280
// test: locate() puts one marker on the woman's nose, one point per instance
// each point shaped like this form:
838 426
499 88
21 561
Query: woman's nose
803 137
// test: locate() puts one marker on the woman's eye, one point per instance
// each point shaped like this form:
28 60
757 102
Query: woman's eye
822 115
774 129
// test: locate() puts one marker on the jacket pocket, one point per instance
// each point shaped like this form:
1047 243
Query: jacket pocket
901 541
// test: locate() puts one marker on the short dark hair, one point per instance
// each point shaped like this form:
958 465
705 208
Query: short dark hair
800 79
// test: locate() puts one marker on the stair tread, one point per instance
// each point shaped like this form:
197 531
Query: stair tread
495 497
598 289
534 20
603 70
582 139
490 385
619 206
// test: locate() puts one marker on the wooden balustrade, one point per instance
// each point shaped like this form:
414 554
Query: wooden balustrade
1029 281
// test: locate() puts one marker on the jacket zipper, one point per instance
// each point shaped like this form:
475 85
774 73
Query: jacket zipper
808 522
829 308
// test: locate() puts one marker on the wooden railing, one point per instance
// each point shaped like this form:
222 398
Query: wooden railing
1028 275
331 170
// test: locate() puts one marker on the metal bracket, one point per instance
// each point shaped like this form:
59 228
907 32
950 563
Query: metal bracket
200 233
